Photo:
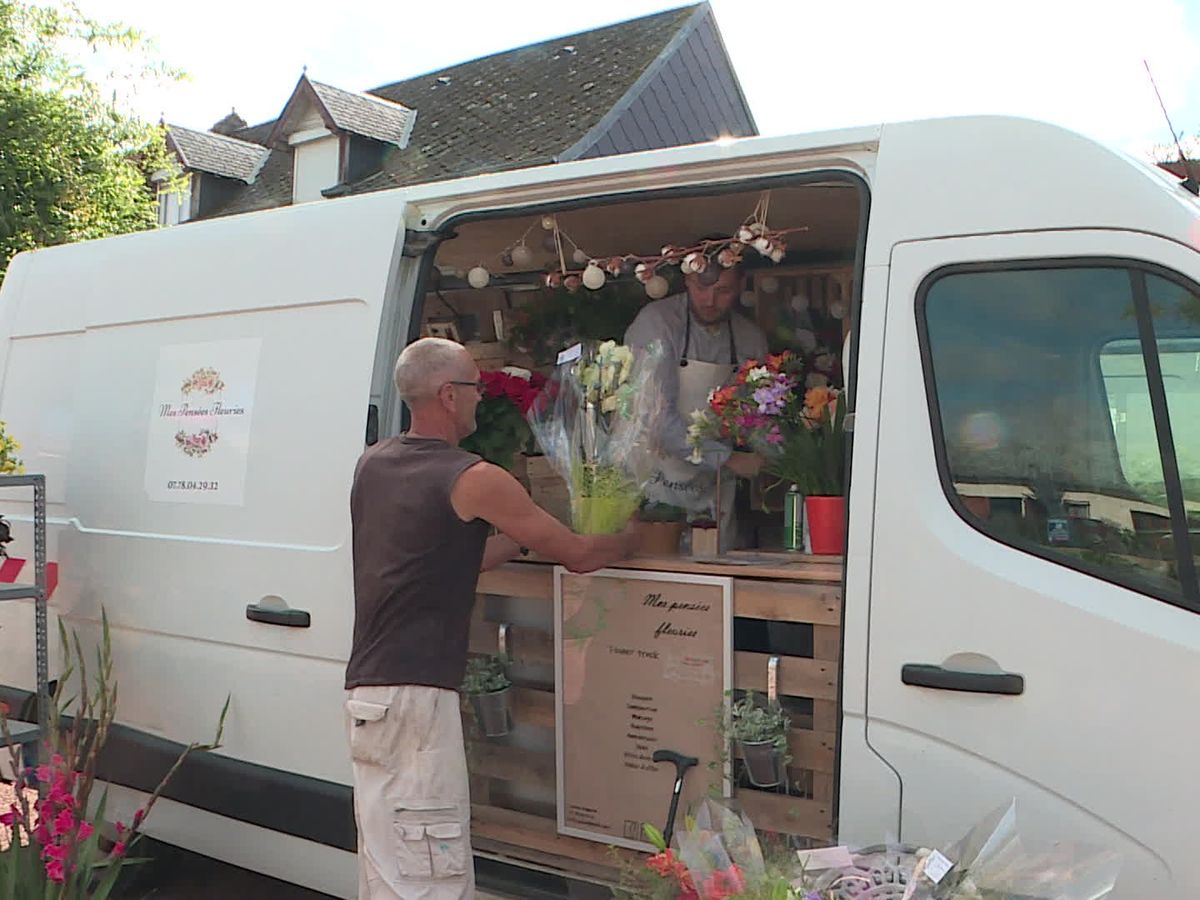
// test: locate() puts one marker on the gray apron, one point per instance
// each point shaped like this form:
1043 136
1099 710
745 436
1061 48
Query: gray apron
681 482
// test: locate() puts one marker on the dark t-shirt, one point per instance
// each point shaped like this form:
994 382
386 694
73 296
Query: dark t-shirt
416 564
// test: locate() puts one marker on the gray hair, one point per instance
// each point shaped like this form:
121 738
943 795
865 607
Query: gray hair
425 365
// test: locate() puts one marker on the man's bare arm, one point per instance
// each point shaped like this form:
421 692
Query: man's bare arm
487 492
499 550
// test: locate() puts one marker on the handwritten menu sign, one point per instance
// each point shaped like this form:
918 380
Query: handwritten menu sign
642 660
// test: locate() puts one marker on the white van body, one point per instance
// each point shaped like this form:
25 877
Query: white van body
1098 747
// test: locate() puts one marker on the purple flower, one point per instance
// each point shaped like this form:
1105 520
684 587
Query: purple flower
772 397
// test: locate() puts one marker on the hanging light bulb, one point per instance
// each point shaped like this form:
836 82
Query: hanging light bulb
479 277
593 276
522 256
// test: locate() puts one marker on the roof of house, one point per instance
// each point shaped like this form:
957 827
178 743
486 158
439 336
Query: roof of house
219 154
523 107
363 114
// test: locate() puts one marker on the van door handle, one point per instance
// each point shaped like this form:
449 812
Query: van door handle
942 679
276 613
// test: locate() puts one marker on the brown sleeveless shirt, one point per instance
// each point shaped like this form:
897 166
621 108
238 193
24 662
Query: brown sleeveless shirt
415 565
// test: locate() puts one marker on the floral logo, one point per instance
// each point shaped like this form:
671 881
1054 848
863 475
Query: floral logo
206 380
195 445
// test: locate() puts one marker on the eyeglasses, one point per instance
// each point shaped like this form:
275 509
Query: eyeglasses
478 385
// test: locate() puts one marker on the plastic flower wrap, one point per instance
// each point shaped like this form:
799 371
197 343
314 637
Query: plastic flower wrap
992 862
720 850
594 423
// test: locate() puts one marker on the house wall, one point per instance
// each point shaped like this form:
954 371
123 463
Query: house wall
316 168
693 97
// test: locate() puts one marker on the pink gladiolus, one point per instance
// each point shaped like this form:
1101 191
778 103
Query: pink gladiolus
54 871
118 849
56 852
120 828
44 773
57 760
65 822
85 831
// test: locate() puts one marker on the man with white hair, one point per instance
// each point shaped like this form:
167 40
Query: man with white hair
421 509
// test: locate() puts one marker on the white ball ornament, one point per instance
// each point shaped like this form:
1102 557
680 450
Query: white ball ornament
479 277
522 256
580 257
769 284
593 277
657 287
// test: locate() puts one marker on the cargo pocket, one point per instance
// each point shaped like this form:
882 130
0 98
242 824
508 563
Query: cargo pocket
370 743
430 843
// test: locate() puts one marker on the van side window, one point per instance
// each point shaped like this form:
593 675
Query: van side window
1049 436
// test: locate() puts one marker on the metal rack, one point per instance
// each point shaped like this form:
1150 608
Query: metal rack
37 590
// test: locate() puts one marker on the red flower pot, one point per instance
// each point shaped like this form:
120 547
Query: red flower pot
826 524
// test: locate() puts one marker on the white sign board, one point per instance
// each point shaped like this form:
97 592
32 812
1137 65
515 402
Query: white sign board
199 436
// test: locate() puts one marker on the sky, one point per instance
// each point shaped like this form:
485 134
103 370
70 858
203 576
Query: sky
803 65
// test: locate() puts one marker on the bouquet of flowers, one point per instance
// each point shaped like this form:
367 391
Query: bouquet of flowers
501 430
593 424
766 408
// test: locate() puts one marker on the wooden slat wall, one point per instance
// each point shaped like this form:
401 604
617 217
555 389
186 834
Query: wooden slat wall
811 594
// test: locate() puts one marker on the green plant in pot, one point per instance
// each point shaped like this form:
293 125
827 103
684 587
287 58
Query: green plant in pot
487 685
761 731
662 526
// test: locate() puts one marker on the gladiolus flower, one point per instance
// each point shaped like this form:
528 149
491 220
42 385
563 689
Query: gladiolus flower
118 849
85 831
54 871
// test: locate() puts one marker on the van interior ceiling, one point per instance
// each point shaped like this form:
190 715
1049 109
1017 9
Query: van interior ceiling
803 303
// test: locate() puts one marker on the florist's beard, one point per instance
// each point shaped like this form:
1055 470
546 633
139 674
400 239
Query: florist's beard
712 317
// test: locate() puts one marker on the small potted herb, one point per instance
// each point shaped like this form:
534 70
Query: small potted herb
487 684
761 731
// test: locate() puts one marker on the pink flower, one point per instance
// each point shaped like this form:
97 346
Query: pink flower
85 831
57 760
56 852
12 817
118 849
775 436
44 773
54 871
120 828
65 822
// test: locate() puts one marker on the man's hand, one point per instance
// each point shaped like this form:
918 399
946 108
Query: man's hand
744 465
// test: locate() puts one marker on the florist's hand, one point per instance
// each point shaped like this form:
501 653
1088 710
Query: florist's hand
744 465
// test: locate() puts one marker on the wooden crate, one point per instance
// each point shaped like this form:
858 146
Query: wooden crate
785 588
547 488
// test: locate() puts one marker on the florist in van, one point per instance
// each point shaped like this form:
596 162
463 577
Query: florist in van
705 341
421 511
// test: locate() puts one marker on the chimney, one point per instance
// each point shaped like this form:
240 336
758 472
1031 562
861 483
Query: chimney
228 125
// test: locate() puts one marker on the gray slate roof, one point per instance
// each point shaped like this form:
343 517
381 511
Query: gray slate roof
509 110
373 117
229 157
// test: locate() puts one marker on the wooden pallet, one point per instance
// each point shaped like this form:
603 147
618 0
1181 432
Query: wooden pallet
777 588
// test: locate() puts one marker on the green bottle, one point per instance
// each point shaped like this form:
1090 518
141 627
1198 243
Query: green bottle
793 519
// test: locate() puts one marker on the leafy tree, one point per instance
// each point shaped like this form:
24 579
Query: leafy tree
73 164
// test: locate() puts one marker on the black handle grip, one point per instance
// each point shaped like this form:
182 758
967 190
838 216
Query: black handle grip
924 675
290 618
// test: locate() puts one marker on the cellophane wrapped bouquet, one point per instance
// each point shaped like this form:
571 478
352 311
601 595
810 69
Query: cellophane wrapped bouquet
594 423
993 862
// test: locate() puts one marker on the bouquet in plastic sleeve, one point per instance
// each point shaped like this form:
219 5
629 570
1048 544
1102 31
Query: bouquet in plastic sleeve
594 424
720 850
992 862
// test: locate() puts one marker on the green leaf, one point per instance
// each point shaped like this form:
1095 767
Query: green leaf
654 836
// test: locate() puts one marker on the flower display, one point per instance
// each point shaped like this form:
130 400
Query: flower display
767 409
10 463
50 840
500 426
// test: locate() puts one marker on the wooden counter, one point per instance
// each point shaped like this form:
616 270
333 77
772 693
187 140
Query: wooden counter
513 778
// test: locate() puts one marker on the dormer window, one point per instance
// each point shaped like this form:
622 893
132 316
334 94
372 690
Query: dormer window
316 161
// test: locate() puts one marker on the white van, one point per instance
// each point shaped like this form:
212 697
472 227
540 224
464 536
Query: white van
1025 494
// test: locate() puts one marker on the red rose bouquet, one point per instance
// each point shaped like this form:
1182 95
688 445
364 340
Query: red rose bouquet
500 426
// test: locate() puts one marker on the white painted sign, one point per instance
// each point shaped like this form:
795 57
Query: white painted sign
199 435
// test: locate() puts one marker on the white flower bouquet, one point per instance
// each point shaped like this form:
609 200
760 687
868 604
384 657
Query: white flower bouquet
594 423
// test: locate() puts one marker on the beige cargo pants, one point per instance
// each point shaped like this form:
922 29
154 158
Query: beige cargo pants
411 795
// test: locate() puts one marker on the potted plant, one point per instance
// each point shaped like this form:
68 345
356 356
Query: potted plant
500 427
662 527
761 732
487 684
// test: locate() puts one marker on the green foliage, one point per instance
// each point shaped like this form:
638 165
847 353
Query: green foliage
485 675
500 431
753 722
73 165
558 318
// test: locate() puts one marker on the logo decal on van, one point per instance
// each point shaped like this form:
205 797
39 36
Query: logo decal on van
206 380
196 444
